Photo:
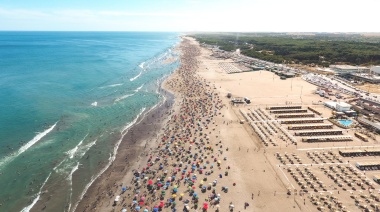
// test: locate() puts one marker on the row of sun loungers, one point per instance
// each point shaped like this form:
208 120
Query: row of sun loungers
359 152
284 107
229 68
268 117
302 120
368 165
259 118
318 132
314 110
261 128
258 131
295 115
292 139
310 126
288 111
327 138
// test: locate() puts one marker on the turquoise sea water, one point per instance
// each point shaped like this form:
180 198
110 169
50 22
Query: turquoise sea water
65 96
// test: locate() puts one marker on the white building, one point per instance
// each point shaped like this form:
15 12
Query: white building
346 69
338 106
342 107
375 69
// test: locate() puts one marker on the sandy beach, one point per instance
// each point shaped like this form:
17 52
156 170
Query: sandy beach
205 145
198 154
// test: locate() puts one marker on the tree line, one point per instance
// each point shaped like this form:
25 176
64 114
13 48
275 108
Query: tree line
322 50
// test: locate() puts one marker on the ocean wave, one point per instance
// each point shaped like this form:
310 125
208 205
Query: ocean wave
83 150
142 65
27 208
91 182
129 125
139 88
112 157
135 77
70 178
25 147
35 139
123 97
72 152
111 86
94 104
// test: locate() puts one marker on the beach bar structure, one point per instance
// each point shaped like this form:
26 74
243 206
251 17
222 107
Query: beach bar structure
285 111
366 165
359 152
318 132
294 115
284 107
302 120
310 126
334 138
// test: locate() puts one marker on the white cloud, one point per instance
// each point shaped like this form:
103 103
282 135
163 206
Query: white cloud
221 15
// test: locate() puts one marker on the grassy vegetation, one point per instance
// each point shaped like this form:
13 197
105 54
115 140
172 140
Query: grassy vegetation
320 49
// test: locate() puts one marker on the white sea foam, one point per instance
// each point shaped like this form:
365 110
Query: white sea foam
56 167
91 182
142 65
70 178
129 125
27 208
123 97
35 139
94 104
83 150
112 157
72 152
135 77
111 86
25 147
139 88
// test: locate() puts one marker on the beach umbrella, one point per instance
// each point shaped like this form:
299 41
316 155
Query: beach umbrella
146 210
137 208
150 182
124 189
174 195
124 210
205 206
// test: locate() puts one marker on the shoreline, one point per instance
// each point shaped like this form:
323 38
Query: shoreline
131 148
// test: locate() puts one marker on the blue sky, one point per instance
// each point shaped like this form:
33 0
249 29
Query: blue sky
191 15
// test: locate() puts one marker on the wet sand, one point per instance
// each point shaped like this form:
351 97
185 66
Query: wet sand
132 152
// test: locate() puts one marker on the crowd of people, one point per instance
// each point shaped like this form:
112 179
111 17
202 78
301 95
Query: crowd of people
185 171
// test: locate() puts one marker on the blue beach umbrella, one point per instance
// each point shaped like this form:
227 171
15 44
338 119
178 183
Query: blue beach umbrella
137 208
124 189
